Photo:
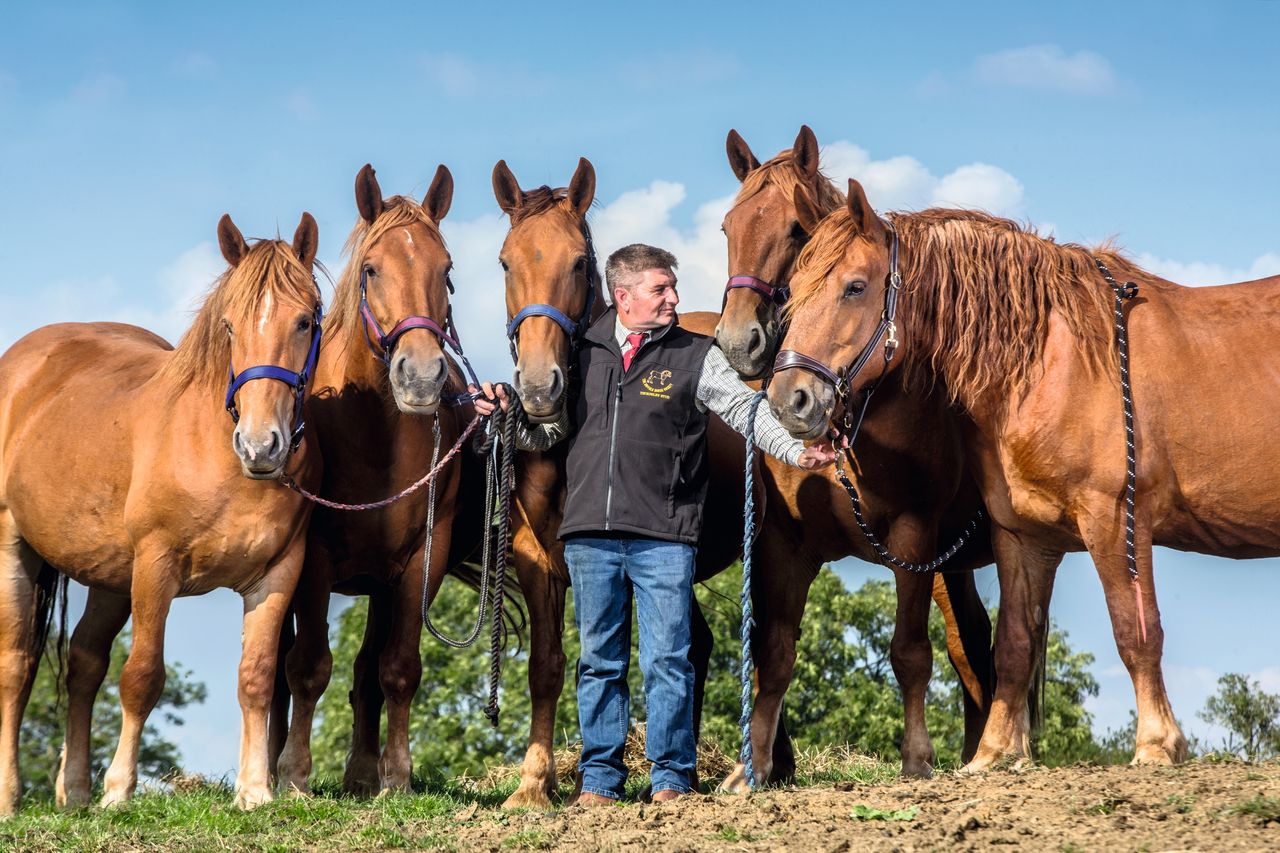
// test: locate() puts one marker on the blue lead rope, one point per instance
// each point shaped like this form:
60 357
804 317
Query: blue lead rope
748 618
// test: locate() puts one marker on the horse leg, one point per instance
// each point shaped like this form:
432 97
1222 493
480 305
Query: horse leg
360 776
544 592
308 667
1026 584
155 583
400 665
278 721
911 656
88 659
19 566
969 649
265 608
1159 738
779 591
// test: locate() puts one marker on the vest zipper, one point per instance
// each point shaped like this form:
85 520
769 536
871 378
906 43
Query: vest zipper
613 439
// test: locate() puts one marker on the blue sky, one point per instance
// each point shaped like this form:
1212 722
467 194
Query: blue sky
126 130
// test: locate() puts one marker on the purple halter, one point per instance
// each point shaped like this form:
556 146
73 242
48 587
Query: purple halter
778 294
296 381
386 341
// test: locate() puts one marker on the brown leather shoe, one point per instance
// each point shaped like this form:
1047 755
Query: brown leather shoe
589 799
668 795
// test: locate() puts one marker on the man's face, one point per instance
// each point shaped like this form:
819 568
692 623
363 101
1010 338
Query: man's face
650 303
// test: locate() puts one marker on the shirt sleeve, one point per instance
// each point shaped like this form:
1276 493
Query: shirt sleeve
721 391
539 437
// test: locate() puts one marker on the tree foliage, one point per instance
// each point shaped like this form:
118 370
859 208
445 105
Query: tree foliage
844 690
1250 715
45 721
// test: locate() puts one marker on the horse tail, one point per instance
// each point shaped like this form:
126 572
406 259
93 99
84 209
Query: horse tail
514 617
51 602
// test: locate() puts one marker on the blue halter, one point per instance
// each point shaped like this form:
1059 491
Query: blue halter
296 381
573 329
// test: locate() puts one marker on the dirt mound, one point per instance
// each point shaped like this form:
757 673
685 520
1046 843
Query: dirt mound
1198 806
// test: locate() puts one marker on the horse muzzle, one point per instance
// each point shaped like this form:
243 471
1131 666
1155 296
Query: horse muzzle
417 385
262 452
542 397
802 405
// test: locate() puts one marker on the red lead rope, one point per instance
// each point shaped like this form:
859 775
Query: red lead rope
427 478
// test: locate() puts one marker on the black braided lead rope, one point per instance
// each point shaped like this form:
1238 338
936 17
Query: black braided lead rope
881 551
1124 292
506 475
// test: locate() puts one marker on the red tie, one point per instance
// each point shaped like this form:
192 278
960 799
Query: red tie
635 339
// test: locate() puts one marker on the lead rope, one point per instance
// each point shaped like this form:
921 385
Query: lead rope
499 446
1124 292
748 617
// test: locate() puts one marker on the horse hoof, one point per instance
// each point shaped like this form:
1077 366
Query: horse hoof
917 770
248 800
735 783
1151 753
111 799
296 792
531 795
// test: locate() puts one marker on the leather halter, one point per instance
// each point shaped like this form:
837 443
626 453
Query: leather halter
777 294
573 329
296 381
839 379
386 341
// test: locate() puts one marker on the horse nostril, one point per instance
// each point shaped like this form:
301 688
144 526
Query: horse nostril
398 367
442 368
277 444
557 383
800 401
237 442
757 341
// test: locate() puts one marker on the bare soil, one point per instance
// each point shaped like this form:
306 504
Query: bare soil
1197 806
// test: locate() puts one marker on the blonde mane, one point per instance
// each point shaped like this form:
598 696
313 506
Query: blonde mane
203 356
977 295
399 212
781 171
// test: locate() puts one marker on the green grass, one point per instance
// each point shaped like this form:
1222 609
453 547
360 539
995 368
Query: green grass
1265 809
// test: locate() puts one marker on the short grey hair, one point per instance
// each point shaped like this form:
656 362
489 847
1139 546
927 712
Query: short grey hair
629 261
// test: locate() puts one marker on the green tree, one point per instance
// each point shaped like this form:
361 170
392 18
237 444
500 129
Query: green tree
45 721
1250 715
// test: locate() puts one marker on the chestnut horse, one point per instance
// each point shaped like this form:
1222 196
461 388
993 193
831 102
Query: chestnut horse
917 501
381 390
148 503
553 291
1019 333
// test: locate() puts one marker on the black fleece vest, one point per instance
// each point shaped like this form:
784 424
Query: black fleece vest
637 461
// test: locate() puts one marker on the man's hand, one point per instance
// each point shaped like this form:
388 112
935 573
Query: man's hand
488 397
823 453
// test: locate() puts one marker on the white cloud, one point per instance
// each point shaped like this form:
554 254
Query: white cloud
904 183
1047 67
1202 272
98 90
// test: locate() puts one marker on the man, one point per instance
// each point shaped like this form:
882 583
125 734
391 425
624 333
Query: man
637 479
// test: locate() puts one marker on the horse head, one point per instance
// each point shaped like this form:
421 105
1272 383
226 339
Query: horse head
268 307
765 238
552 284
838 313
401 267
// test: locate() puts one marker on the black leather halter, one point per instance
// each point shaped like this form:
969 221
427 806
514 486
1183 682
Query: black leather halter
840 379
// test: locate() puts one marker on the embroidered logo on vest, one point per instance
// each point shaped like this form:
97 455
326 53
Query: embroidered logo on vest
657 384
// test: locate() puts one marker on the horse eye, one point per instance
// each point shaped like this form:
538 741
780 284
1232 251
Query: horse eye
580 264
226 324
304 324
370 271
853 288
798 232
505 268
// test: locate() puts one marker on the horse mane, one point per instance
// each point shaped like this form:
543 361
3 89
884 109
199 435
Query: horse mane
398 212
781 171
978 292
203 356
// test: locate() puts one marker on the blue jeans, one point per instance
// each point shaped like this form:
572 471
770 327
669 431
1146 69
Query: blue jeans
604 571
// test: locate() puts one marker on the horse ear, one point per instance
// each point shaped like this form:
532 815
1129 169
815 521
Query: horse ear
439 195
805 152
861 213
368 195
806 211
231 241
741 160
506 189
306 240
582 188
